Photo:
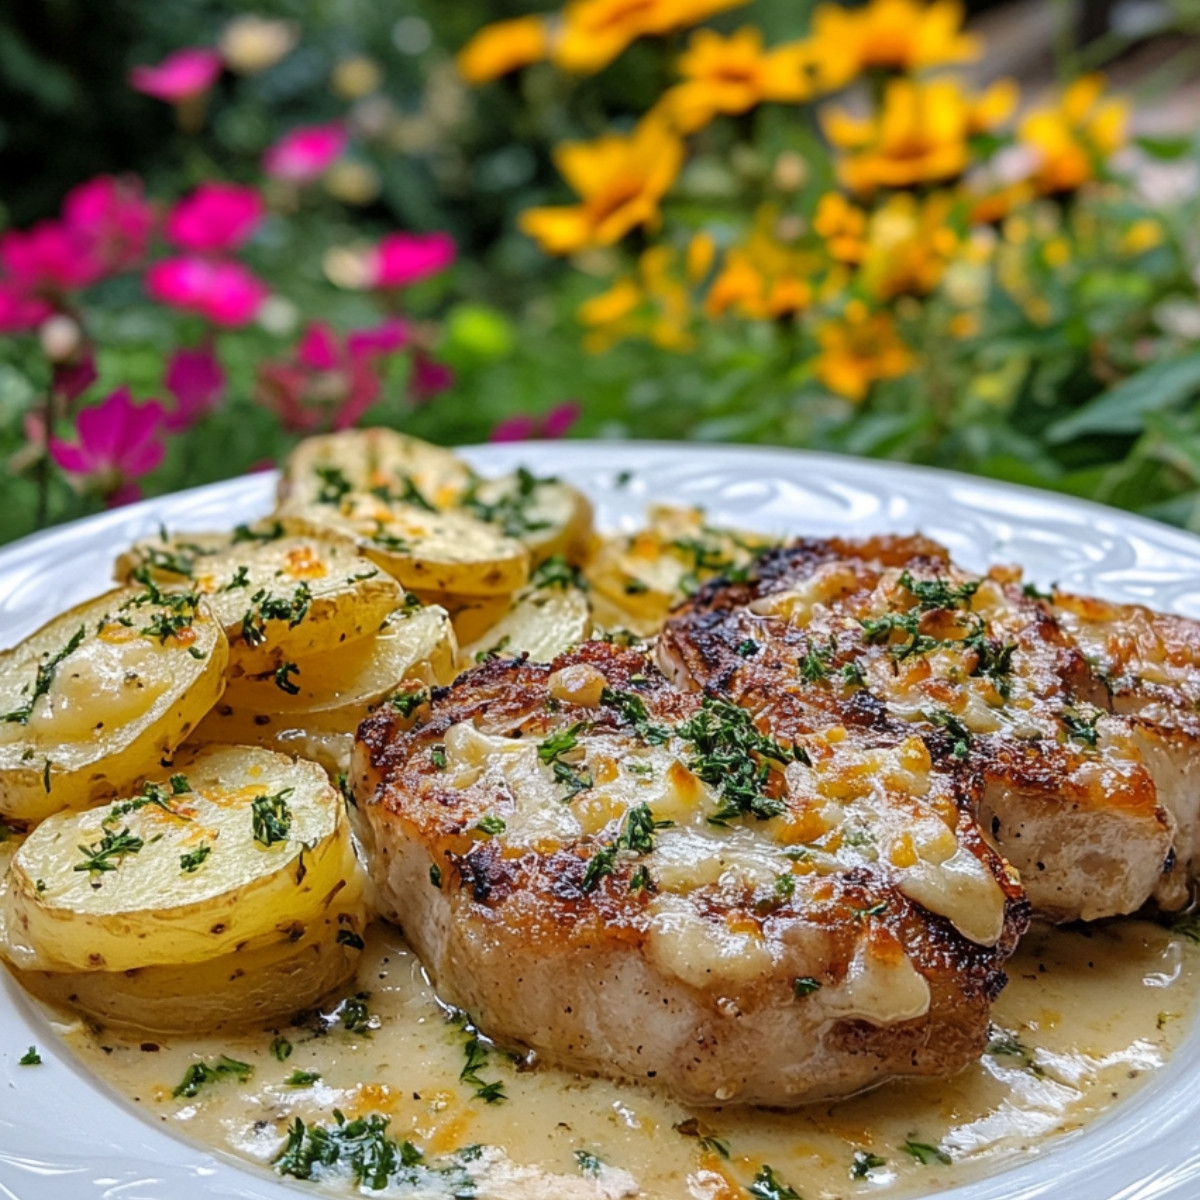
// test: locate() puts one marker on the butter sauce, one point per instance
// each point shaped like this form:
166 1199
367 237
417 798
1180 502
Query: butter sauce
1088 1016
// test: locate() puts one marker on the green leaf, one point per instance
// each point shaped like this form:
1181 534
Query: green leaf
1123 409
1165 149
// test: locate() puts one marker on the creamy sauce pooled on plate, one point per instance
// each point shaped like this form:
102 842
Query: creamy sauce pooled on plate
1088 1015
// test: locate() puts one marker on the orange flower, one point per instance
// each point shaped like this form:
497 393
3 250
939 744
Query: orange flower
655 305
620 181
892 35
842 225
734 74
763 278
909 244
858 349
502 47
1068 141
919 136
594 32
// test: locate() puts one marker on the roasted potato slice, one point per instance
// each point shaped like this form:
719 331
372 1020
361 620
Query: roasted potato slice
549 516
331 693
280 595
321 470
472 616
238 847
542 622
425 551
99 696
644 575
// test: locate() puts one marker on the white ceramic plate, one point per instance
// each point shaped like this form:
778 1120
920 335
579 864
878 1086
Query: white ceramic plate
64 1136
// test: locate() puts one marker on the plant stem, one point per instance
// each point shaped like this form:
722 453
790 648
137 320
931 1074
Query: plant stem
42 516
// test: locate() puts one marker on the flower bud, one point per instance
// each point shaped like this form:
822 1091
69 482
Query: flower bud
60 337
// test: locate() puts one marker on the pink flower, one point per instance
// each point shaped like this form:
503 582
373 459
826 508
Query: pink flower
332 381
49 259
429 378
114 216
403 258
523 426
225 292
118 441
216 217
196 381
73 378
305 153
181 76
18 312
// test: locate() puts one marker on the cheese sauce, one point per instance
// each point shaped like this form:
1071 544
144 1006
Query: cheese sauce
1088 1016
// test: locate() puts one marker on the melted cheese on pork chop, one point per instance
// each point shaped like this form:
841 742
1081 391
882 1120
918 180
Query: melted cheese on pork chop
647 883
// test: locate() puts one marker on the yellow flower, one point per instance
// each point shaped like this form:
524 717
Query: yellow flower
734 74
763 279
842 225
701 252
503 47
858 349
919 136
594 32
620 180
908 246
1069 140
656 306
1142 235
893 35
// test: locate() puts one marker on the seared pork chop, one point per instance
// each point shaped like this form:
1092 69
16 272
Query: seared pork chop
736 901
1093 807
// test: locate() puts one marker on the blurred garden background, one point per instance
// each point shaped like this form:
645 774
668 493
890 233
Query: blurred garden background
898 229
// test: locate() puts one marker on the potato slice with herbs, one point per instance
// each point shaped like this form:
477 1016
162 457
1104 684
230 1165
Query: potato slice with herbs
390 465
643 575
424 550
472 616
280 595
542 623
237 847
333 692
549 516
99 696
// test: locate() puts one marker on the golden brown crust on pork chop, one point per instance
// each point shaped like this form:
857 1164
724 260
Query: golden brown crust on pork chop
655 884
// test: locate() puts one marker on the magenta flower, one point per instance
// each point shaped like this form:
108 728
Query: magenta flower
20 313
401 259
114 216
196 381
215 218
305 153
429 378
224 292
180 77
72 378
523 426
389 337
49 259
119 441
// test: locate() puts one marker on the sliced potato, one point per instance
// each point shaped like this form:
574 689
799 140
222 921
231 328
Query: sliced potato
543 623
549 516
645 574
280 598
333 692
472 616
238 847
425 551
99 696
381 461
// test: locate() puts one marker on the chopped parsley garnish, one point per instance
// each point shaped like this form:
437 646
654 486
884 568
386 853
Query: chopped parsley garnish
191 861
347 937
435 875
962 736
879 630
933 594
556 572
600 864
179 785
266 607
748 648
43 679
589 1164
814 666
362 1146
168 562
637 836
864 1163
302 1078
201 1073
768 1186
560 742
180 608
1031 591
477 1057
1003 1044
640 880
98 857
805 985
993 659
356 1017
407 703
925 1154
152 794
715 1145
334 485
735 758
852 674
511 511
491 824
437 756
31 1058
409 493
271 533
281 1049
240 579
283 680
271 817
390 541
1082 729
874 910
633 709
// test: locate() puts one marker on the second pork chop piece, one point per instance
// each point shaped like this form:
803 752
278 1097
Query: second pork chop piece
1087 804
656 885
